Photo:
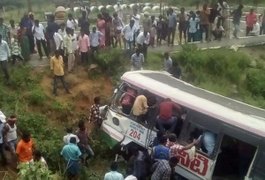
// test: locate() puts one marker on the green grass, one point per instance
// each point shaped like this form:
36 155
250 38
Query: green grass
224 71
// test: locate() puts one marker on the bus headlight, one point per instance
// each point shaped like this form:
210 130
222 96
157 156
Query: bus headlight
116 121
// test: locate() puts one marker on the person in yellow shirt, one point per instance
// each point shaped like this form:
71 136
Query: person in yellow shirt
140 107
57 66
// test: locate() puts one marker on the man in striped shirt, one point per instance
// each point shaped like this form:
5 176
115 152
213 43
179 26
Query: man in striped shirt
15 50
164 169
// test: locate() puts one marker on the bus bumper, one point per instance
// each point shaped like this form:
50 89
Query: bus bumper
111 136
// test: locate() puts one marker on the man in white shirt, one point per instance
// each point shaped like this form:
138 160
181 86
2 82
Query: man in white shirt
137 60
38 33
67 137
94 37
68 49
71 22
4 55
142 41
128 32
58 39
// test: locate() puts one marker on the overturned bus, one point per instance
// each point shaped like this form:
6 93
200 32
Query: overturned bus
237 129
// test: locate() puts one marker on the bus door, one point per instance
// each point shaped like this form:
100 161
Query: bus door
237 154
202 163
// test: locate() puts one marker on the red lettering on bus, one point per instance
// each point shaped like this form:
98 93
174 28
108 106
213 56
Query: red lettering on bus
199 165
205 163
184 158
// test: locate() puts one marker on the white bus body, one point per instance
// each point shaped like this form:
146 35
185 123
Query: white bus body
225 117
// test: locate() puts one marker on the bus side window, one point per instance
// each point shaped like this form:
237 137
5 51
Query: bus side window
124 99
207 139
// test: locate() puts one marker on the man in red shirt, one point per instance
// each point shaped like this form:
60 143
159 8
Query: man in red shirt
166 118
251 20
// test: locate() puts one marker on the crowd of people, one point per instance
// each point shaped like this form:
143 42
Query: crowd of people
62 45
77 150
78 40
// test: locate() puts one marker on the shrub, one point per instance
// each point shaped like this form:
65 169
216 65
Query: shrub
255 81
21 78
47 138
112 62
154 61
37 97
221 63
34 171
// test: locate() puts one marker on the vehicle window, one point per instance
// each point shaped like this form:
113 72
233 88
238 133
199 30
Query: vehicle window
208 139
234 159
124 99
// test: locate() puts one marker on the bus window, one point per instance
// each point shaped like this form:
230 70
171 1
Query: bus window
234 159
124 99
208 139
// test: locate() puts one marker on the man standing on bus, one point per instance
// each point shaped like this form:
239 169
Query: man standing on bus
166 120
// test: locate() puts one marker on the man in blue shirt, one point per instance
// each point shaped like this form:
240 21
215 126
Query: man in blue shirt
161 151
71 154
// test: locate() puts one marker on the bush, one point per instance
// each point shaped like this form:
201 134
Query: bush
221 63
154 61
35 171
112 62
255 81
48 139
21 78
37 97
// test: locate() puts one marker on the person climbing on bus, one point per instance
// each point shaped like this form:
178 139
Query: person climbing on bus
208 140
166 120
127 99
164 170
175 147
161 151
140 106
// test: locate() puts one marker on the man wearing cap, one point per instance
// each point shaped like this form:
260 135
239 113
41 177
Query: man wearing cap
10 133
2 125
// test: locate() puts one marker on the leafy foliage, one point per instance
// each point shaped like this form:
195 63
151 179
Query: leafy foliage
256 82
223 71
37 97
35 171
47 138
111 62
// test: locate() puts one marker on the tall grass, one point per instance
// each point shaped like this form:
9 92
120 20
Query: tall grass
223 71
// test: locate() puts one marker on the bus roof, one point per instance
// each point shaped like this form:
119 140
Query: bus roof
230 111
